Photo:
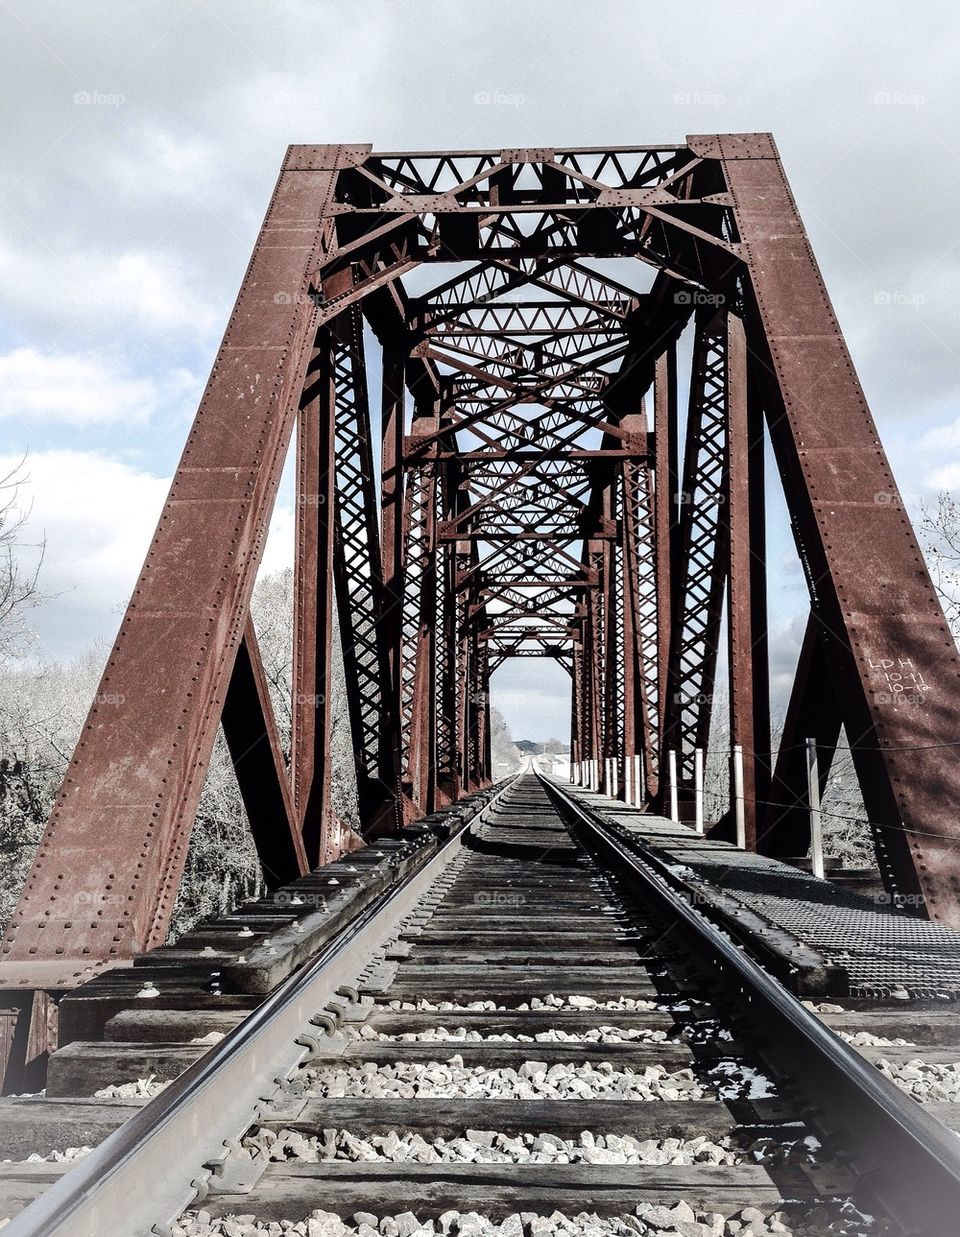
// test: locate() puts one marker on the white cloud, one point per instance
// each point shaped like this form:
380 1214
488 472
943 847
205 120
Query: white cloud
73 388
160 164
278 550
534 697
945 478
941 438
97 515
118 215
101 295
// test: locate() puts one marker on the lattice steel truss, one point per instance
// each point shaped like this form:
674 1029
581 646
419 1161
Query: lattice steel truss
517 493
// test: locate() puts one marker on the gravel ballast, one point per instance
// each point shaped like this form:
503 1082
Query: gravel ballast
550 1001
532 1080
927 1083
492 1147
598 1035
679 1220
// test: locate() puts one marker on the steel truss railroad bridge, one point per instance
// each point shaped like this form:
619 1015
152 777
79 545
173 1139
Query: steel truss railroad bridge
529 495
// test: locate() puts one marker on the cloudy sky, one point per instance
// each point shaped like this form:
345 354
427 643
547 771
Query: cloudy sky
141 141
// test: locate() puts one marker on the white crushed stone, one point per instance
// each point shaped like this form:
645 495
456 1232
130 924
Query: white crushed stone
597 1035
550 1001
923 1081
57 1157
864 1039
492 1147
143 1088
678 1220
531 1080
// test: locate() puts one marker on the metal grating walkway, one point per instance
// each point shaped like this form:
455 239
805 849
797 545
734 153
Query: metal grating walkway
884 950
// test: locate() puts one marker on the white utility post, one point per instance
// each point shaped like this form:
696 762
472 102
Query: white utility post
672 768
813 798
628 780
698 789
738 796
638 790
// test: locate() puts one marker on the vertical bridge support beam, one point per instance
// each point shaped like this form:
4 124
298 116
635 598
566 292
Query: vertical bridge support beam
746 598
122 822
892 655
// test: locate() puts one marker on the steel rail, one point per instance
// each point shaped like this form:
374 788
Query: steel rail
144 1173
905 1159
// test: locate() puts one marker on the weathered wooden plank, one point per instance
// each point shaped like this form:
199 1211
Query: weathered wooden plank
948 1113
169 1025
40 1124
533 955
631 972
494 938
663 1119
82 1068
920 1026
520 1022
931 1055
21 1183
291 1191
471 918
91 1008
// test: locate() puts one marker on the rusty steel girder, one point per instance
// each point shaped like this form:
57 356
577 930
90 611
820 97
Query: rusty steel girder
518 493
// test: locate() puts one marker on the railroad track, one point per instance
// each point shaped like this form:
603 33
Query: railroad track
534 1032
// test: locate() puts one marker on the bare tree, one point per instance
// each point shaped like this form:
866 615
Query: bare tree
42 711
940 533
18 585
504 752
